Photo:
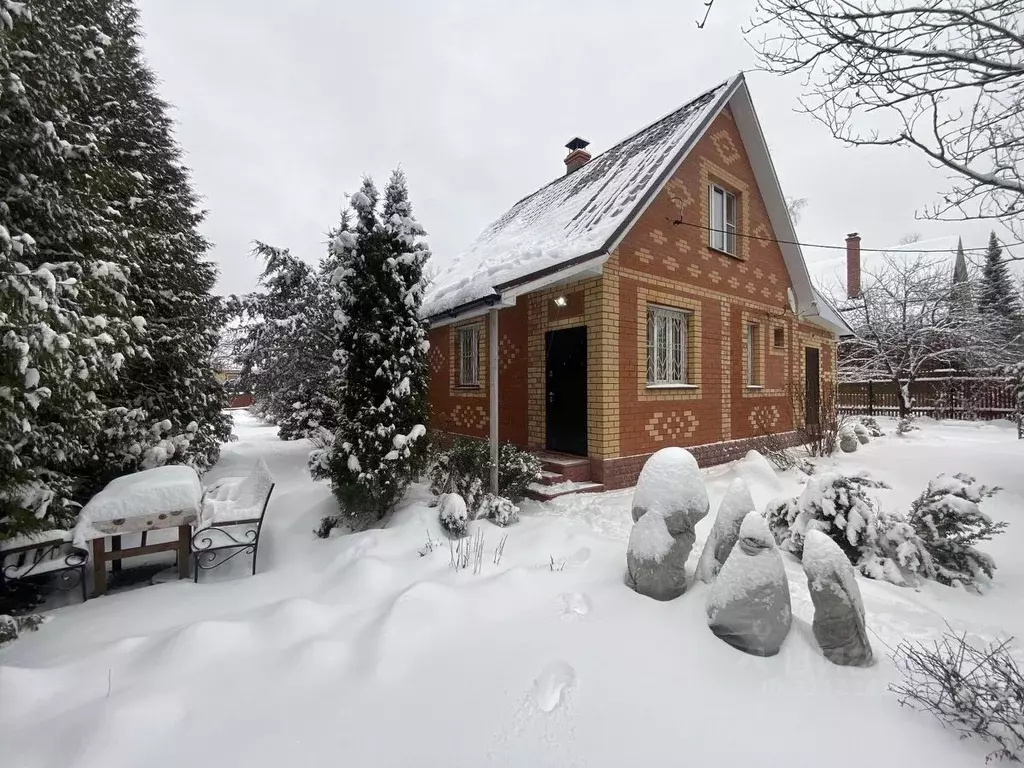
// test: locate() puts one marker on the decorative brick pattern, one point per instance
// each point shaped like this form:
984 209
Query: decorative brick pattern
716 417
726 147
672 427
764 417
471 416
508 352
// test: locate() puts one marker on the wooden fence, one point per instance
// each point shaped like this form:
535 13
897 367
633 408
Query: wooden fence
981 397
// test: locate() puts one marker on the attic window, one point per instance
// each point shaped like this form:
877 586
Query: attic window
722 208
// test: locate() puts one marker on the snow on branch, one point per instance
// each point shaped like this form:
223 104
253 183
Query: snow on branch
945 77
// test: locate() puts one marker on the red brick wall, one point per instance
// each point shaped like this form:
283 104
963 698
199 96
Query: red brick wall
465 411
671 264
666 259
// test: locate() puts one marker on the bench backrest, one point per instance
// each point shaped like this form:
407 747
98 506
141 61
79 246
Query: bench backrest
254 490
38 557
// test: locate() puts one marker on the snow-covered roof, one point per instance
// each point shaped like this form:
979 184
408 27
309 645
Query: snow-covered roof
578 215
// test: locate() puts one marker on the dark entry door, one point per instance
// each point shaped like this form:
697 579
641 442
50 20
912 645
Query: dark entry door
567 390
812 386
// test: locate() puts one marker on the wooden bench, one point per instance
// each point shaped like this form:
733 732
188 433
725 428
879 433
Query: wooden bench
46 554
231 519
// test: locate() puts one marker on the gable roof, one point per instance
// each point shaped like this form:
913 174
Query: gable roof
580 217
575 215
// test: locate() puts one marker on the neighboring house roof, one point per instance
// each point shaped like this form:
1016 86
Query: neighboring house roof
579 218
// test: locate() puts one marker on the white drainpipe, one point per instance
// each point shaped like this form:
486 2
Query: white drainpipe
492 343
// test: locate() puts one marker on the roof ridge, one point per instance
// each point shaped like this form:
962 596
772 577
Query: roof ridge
634 134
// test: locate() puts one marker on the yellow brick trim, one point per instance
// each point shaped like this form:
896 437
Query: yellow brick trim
677 286
715 174
761 342
726 352
773 326
646 298
454 389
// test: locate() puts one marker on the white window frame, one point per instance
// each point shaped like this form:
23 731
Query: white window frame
468 340
751 345
723 210
668 346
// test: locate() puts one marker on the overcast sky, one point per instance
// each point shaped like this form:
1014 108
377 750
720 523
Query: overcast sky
284 106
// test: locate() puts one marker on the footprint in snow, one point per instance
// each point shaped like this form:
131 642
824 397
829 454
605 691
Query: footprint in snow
574 604
553 686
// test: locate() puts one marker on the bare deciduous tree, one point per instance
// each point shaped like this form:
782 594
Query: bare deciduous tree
943 76
907 324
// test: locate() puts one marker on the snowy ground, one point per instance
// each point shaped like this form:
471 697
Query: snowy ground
357 651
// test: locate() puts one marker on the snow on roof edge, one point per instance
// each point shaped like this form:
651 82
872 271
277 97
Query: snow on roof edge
675 139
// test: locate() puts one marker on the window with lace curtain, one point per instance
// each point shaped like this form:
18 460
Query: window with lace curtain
667 344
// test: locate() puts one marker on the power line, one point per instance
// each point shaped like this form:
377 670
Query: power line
897 249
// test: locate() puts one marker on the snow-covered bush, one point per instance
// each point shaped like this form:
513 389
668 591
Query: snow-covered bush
318 460
452 512
671 483
465 468
871 425
905 425
848 441
12 626
735 506
975 691
499 509
748 605
863 436
881 545
669 500
949 522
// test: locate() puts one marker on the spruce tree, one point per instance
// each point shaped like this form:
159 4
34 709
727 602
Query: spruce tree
166 405
996 293
66 324
382 354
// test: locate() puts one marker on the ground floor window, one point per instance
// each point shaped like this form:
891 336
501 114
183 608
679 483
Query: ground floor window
753 378
468 343
667 344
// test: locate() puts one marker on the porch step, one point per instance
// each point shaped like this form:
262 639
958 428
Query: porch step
551 478
575 468
541 492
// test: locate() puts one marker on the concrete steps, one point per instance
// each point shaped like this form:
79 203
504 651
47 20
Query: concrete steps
562 475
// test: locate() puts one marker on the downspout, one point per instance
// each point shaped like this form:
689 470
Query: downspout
492 345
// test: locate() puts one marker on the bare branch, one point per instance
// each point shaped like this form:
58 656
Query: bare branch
944 77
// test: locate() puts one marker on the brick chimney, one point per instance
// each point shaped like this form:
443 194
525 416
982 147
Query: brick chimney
578 155
853 266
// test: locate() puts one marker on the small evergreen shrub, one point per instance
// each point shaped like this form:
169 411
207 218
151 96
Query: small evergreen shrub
871 425
881 545
905 425
949 522
499 509
452 512
465 468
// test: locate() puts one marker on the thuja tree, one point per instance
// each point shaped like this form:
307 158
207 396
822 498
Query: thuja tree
166 405
382 353
65 321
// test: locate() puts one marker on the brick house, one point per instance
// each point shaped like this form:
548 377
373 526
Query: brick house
653 295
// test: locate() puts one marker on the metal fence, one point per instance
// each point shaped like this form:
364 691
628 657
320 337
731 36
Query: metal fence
977 397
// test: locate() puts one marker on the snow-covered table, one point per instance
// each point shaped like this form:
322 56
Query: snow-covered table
164 497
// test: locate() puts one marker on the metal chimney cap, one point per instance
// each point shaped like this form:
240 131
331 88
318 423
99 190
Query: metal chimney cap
577 143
